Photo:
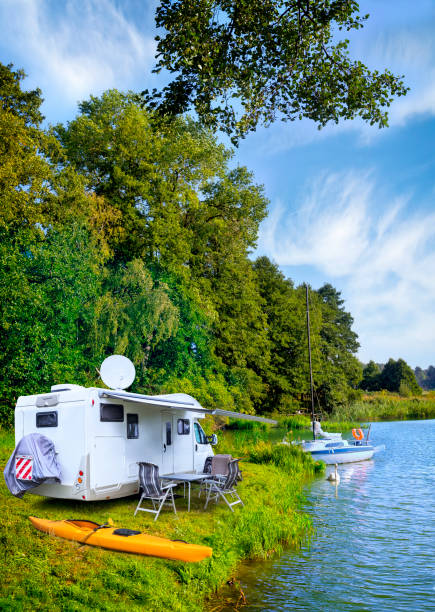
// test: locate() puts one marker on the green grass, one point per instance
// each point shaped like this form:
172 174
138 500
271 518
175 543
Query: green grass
295 422
40 572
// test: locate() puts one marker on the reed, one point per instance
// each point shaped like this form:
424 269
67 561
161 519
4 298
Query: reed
295 422
383 406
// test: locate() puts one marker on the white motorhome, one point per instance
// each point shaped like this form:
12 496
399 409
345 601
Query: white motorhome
100 435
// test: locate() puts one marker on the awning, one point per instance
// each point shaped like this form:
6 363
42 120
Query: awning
177 404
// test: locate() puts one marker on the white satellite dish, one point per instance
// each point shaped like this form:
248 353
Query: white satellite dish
117 372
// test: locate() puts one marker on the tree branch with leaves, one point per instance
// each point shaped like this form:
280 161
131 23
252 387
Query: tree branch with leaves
240 63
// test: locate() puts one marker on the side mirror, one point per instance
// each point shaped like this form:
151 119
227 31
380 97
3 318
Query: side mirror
213 439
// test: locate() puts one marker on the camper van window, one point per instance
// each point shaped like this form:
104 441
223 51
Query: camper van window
132 426
183 427
112 412
168 433
200 436
46 419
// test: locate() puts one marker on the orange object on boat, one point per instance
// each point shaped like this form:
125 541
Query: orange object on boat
358 434
125 540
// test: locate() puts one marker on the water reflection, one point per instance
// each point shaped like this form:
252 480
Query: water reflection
373 548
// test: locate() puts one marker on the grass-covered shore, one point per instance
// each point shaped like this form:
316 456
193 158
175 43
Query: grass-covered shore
385 406
39 572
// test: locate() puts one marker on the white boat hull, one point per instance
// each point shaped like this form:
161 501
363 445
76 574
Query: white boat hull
334 449
343 455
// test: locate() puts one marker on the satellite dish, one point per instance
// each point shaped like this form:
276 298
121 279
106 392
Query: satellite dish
117 372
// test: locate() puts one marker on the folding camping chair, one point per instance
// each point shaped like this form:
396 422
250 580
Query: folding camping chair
221 487
216 466
152 489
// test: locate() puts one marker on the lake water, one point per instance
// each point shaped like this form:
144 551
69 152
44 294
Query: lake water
374 546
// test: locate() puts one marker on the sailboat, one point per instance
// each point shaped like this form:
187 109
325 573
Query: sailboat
330 447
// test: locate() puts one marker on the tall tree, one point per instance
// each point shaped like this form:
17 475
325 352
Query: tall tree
287 376
371 379
272 58
342 369
25 174
152 176
397 376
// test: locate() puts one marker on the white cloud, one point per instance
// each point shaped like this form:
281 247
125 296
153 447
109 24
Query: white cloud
330 221
380 255
74 49
409 51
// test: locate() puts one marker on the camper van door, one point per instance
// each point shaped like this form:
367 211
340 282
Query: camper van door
201 448
167 444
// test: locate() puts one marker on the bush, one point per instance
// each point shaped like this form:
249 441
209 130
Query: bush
289 457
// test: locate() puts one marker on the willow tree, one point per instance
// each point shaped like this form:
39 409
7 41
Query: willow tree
239 63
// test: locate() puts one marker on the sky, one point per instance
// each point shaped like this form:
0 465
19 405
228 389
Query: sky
350 205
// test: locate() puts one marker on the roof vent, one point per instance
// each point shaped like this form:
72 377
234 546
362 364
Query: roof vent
65 387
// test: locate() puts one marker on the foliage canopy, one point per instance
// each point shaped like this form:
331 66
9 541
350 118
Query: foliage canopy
238 63
122 235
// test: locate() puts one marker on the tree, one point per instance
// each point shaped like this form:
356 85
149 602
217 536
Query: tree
342 370
371 377
25 173
397 376
336 371
189 217
179 201
47 297
13 100
273 58
133 315
286 376
35 193
425 378
430 378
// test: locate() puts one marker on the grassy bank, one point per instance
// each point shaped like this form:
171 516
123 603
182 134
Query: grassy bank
384 406
39 572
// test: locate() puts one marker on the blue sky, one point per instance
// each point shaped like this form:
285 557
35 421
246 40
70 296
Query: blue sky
351 205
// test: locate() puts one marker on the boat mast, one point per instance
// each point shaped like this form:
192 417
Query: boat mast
309 359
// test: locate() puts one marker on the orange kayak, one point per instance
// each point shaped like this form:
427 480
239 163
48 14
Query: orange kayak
125 540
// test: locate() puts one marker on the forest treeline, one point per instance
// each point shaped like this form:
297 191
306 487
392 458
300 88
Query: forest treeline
425 378
395 376
123 234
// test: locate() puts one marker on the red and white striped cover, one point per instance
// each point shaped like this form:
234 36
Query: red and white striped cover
23 467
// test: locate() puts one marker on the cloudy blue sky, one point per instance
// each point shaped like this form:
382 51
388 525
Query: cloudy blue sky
351 205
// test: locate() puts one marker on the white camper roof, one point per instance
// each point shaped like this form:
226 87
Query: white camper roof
180 401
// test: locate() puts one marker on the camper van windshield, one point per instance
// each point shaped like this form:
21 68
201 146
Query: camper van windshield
200 436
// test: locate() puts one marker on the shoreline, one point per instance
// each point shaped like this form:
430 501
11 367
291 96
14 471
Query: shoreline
74 577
